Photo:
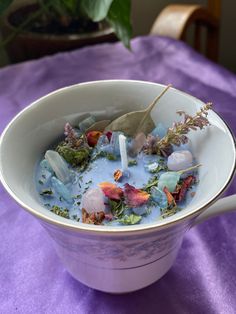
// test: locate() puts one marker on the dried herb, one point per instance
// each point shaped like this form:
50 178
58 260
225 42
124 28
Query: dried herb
117 208
99 126
46 192
92 218
151 182
130 219
176 135
74 157
132 163
134 122
182 188
60 212
170 211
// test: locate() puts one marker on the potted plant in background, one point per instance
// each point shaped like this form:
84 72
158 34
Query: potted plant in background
47 26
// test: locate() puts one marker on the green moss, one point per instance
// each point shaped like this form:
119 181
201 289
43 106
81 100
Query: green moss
72 156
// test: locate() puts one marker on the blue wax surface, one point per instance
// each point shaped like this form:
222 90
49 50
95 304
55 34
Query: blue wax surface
98 171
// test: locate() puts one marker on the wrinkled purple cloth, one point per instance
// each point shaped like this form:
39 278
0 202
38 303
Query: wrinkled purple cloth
203 278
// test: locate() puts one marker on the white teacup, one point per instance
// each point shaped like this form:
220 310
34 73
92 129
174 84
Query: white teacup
115 259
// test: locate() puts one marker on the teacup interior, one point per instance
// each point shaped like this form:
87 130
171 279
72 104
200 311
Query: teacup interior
36 128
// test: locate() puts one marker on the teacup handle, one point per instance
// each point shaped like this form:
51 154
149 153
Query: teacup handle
223 205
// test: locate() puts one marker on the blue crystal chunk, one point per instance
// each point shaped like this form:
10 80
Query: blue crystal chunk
159 130
159 197
61 189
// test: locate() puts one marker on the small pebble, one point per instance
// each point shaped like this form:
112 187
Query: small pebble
180 160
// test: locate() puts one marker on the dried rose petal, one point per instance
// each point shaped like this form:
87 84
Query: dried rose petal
118 174
179 194
111 190
109 135
135 197
92 137
170 197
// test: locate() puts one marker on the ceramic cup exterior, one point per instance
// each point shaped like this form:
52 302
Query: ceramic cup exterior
115 259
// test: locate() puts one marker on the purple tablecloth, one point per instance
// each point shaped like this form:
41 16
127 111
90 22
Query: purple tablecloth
203 278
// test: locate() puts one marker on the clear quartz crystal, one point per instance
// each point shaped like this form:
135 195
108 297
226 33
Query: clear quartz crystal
114 143
93 200
86 123
180 160
103 144
59 166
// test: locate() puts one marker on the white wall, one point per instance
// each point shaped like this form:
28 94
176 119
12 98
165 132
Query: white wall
145 11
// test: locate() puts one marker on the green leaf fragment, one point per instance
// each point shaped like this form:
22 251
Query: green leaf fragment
130 219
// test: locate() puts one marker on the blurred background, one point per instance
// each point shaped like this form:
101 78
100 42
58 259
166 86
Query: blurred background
145 12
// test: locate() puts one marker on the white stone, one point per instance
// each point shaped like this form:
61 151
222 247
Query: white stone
93 200
180 160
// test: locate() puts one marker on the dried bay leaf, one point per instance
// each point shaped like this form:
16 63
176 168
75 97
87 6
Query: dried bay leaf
134 122
99 126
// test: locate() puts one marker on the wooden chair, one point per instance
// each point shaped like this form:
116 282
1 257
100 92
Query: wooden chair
174 21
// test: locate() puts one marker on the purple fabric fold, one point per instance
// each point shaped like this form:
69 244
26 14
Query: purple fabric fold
203 278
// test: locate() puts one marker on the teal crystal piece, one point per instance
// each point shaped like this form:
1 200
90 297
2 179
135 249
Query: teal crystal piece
169 180
159 197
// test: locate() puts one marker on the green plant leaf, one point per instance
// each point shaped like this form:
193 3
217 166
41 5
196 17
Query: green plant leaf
97 10
4 4
119 18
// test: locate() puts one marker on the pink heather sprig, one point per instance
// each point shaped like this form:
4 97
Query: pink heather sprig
71 136
176 135
74 140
